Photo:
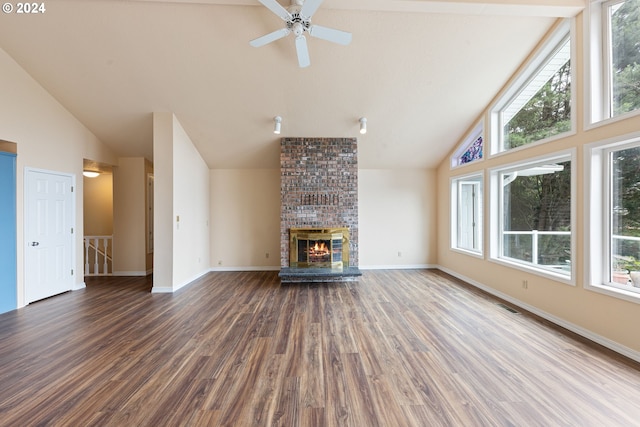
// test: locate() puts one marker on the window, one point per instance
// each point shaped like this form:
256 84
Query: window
532 213
466 208
614 56
470 150
622 26
538 105
614 217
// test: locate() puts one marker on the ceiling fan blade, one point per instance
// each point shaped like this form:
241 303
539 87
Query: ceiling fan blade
271 37
276 8
303 52
330 34
309 7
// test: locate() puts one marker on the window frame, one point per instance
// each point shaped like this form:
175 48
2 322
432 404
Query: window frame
597 56
565 29
597 224
455 183
496 215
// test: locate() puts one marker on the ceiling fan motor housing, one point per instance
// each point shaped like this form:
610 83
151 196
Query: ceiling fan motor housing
297 23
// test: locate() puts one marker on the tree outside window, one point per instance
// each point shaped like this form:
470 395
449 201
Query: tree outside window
545 115
537 106
624 27
625 215
536 215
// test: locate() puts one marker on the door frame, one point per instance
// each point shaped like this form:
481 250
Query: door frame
74 225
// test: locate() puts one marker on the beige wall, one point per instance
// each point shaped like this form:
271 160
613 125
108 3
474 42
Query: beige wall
397 210
181 212
129 217
163 201
245 219
191 195
608 320
98 205
148 173
43 129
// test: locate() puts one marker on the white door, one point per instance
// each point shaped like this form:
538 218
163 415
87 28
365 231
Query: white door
49 205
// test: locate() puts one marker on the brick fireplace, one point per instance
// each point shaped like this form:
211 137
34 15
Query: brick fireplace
318 189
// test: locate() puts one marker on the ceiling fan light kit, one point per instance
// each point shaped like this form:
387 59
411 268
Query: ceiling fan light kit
297 18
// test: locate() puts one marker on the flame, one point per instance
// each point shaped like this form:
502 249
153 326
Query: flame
319 249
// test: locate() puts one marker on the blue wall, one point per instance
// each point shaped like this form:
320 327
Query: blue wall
8 279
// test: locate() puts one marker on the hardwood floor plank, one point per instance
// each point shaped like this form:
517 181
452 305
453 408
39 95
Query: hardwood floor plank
312 369
397 348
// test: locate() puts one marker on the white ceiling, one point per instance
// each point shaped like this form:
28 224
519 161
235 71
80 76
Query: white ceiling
420 71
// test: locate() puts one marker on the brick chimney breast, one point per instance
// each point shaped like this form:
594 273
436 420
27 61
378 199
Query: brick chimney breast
318 188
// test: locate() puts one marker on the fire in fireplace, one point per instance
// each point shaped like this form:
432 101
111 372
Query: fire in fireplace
319 247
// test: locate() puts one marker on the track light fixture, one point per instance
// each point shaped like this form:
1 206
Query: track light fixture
363 125
277 124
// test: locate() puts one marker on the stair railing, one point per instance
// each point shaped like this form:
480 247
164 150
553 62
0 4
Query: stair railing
100 249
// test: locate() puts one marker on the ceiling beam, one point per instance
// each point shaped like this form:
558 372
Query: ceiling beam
540 8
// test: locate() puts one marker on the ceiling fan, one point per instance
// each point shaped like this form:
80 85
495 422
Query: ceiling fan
297 18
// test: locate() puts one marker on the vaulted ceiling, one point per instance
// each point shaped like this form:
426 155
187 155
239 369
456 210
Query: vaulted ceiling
420 71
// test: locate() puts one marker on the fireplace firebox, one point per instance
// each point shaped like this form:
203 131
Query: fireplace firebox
319 247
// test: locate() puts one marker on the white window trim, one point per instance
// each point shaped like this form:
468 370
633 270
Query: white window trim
550 46
453 218
596 222
496 218
596 56
478 131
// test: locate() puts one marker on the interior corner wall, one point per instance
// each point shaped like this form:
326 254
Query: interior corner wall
163 202
397 218
58 143
129 215
148 172
181 207
191 194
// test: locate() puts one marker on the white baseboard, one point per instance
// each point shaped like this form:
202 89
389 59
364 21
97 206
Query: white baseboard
78 286
169 290
606 342
191 280
130 273
398 267
259 268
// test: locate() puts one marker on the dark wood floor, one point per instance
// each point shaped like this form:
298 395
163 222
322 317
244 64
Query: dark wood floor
397 348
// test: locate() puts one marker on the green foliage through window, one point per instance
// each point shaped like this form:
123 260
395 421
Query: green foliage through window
547 114
625 210
625 56
537 215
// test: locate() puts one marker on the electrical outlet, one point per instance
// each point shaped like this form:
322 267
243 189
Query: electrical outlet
525 284
266 255
220 262
399 254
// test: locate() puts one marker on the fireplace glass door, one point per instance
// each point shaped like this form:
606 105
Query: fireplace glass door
318 248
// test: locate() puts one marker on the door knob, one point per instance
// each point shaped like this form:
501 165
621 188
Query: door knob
35 243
